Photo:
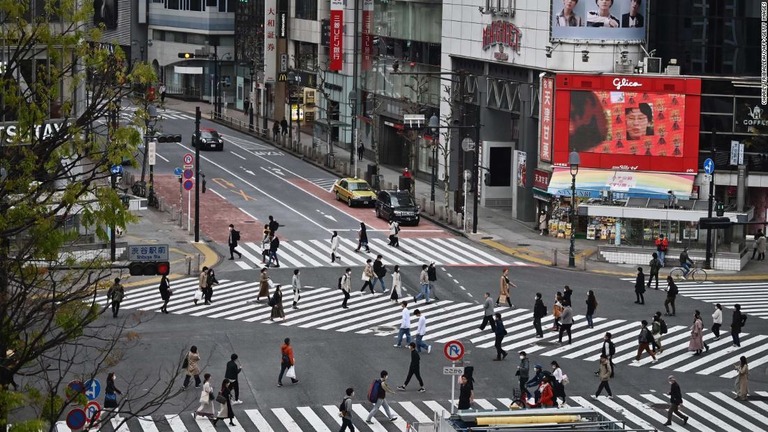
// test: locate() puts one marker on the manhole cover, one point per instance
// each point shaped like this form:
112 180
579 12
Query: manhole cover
523 244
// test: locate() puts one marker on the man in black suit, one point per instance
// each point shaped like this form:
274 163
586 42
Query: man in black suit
633 18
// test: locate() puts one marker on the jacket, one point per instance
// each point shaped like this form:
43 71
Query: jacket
232 370
662 244
193 360
378 269
347 411
539 310
524 368
431 273
116 292
737 321
605 370
547 396
287 350
672 290
644 336
591 307
274 244
334 243
655 264
611 348
203 280
500 330
368 271
675 395
423 277
488 307
345 283
567 316
415 359
717 316
640 283
405 319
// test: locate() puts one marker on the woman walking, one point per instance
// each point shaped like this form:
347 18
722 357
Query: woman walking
605 376
742 379
671 296
165 293
334 247
226 404
591 307
367 276
697 335
362 237
504 285
717 320
206 399
210 281
263 285
640 286
265 244
287 361
557 310
296 285
110 395
396 285
500 332
557 385
277 304
193 368
566 321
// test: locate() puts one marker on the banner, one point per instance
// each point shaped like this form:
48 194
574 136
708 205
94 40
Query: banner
602 20
337 35
522 167
367 34
270 40
546 118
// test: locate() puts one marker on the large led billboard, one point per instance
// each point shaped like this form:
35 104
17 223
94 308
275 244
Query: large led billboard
628 122
619 20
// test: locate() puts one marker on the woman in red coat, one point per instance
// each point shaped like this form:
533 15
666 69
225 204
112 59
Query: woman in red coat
547 395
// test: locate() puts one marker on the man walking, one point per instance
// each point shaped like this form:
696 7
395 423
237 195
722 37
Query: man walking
405 326
284 126
202 284
273 225
655 265
644 341
346 411
233 369
346 286
421 330
640 286
274 245
423 284
662 244
115 294
539 312
488 313
234 237
413 369
523 369
671 296
737 322
675 400
609 350
380 388
566 321
432 278
379 271
500 332
604 373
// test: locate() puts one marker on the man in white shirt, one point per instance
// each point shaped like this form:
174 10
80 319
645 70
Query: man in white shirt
405 326
421 330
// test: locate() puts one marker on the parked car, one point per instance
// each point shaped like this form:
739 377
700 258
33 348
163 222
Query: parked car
398 205
209 140
354 191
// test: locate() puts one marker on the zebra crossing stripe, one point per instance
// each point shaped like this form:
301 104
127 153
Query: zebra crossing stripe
313 419
333 411
174 421
287 421
597 338
628 415
147 425
258 420
730 402
689 406
205 425
710 357
665 359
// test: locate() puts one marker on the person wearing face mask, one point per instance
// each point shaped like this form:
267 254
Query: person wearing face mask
539 312
523 369
675 400
110 395
345 286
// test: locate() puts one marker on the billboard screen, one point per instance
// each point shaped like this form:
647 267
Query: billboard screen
646 124
622 20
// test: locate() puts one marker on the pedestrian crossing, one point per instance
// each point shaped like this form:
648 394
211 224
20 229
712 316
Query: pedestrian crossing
319 309
127 114
324 183
751 296
707 411
412 251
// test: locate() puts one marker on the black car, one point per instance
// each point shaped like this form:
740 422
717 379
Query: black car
209 140
397 205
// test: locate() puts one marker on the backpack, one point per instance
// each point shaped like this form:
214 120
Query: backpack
743 320
272 301
663 326
235 235
373 392
342 405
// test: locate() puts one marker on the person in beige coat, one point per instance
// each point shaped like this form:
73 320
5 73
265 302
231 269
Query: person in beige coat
202 284
193 368
504 284
207 396
605 376
263 285
742 379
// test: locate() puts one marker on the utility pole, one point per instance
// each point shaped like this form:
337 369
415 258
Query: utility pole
710 203
197 173
355 86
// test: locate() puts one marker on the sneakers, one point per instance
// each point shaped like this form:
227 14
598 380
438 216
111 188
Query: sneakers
395 418
236 402
422 390
396 345
593 396
429 349
654 361
401 388
369 422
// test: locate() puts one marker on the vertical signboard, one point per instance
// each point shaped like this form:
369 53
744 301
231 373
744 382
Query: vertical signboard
546 118
270 40
367 34
337 35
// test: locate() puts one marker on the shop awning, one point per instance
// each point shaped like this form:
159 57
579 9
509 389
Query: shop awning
624 184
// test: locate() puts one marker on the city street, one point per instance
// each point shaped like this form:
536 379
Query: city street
337 348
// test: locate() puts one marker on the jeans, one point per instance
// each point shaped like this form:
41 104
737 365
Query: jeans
662 254
537 326
383 285
735 336
589 320
403 332
686 268
420 343
423 294
273 255
379 403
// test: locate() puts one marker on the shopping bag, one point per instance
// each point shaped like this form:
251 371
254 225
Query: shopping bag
291 373
198 295
502 298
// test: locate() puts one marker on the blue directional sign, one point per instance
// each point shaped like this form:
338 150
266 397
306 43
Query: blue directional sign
92 389
177 171
116 169
709 166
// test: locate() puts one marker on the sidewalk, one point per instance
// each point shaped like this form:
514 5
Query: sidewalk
496 228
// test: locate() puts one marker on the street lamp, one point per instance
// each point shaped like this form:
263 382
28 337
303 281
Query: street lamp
149 129
434 124
573 161
252 100
293 82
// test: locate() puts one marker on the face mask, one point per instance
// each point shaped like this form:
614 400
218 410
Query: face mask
522 357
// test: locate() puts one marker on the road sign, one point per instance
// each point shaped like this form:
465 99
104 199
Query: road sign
188 185
188 174
453 350
93 411
92 389
188 159
116 169
149 252
468 144
76 419
177 171
709 166
151 152
737 153
707 177
453 370
74 388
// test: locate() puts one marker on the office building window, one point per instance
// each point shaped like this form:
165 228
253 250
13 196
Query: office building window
306 9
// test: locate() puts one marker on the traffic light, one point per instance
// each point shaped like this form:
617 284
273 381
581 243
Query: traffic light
186 55
719 208
168 138
152 268
715 222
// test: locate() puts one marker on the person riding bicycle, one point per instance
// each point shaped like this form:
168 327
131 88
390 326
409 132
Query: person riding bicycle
535 382
685 262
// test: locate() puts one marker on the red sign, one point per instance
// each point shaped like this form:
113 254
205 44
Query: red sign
337 36
453 350
628 123
367 34
502 33
546 118
541 179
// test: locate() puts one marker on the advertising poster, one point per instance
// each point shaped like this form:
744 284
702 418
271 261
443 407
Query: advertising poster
546 119
620 20
270 40
367 34
337 36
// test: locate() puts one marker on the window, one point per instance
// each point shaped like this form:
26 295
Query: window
306 9
306 55
212 3
172 4
196 5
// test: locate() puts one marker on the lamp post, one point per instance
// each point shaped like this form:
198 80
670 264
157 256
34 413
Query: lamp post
352 102
149 129
252 99
293 82
434 124
573 161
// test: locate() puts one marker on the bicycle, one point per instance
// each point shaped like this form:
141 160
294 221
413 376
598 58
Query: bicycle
695 273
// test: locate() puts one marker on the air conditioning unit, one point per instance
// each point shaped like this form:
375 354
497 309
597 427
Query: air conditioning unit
652 65
673 68
623 68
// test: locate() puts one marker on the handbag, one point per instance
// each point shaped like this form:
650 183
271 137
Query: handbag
210 396
110 397
221 399
198 295
291 373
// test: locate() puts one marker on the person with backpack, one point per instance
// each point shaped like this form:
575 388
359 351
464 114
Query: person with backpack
697 343
379 271
377 396
658 329
115 294
274 245
671 295
296 285
276 302
273 225
644 341
232 239
345 286
165 293
738 320
397 283
609 350
394 230
662 244
413 369
655 265
539 312
640 286
334 247
432 279
287 361
345 411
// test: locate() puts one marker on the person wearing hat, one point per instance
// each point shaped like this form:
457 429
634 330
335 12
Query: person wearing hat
523 370
675 400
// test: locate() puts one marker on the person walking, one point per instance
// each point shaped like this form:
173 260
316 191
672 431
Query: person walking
557 311
381 389
738 320
522 373
504 285
644 341
263 285
296 286
367 276
275 130
360 151
231 372
362 238
558 384
206 409
423 285
696 344
413 369
395 293
232 239
655 265
276 302
335 247
547 392
405 326
488 313
345 284
742 378
345 411
432 279
394 230
115 294
539 312
284 126
717 321
274 245
608 349
110 395
640 286
675 400
265 244
193 368
379 272
671 296
500 332
421 330
210 281
165 293
163 92
225 412
754 243
567 293
202 284
662 244
273 225
466 393
657 330
591 307
286 361
604 373
566 322
760 242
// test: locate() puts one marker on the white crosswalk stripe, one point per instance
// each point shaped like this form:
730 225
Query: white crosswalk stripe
413 251
752 296
708 412
324 183
319 308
